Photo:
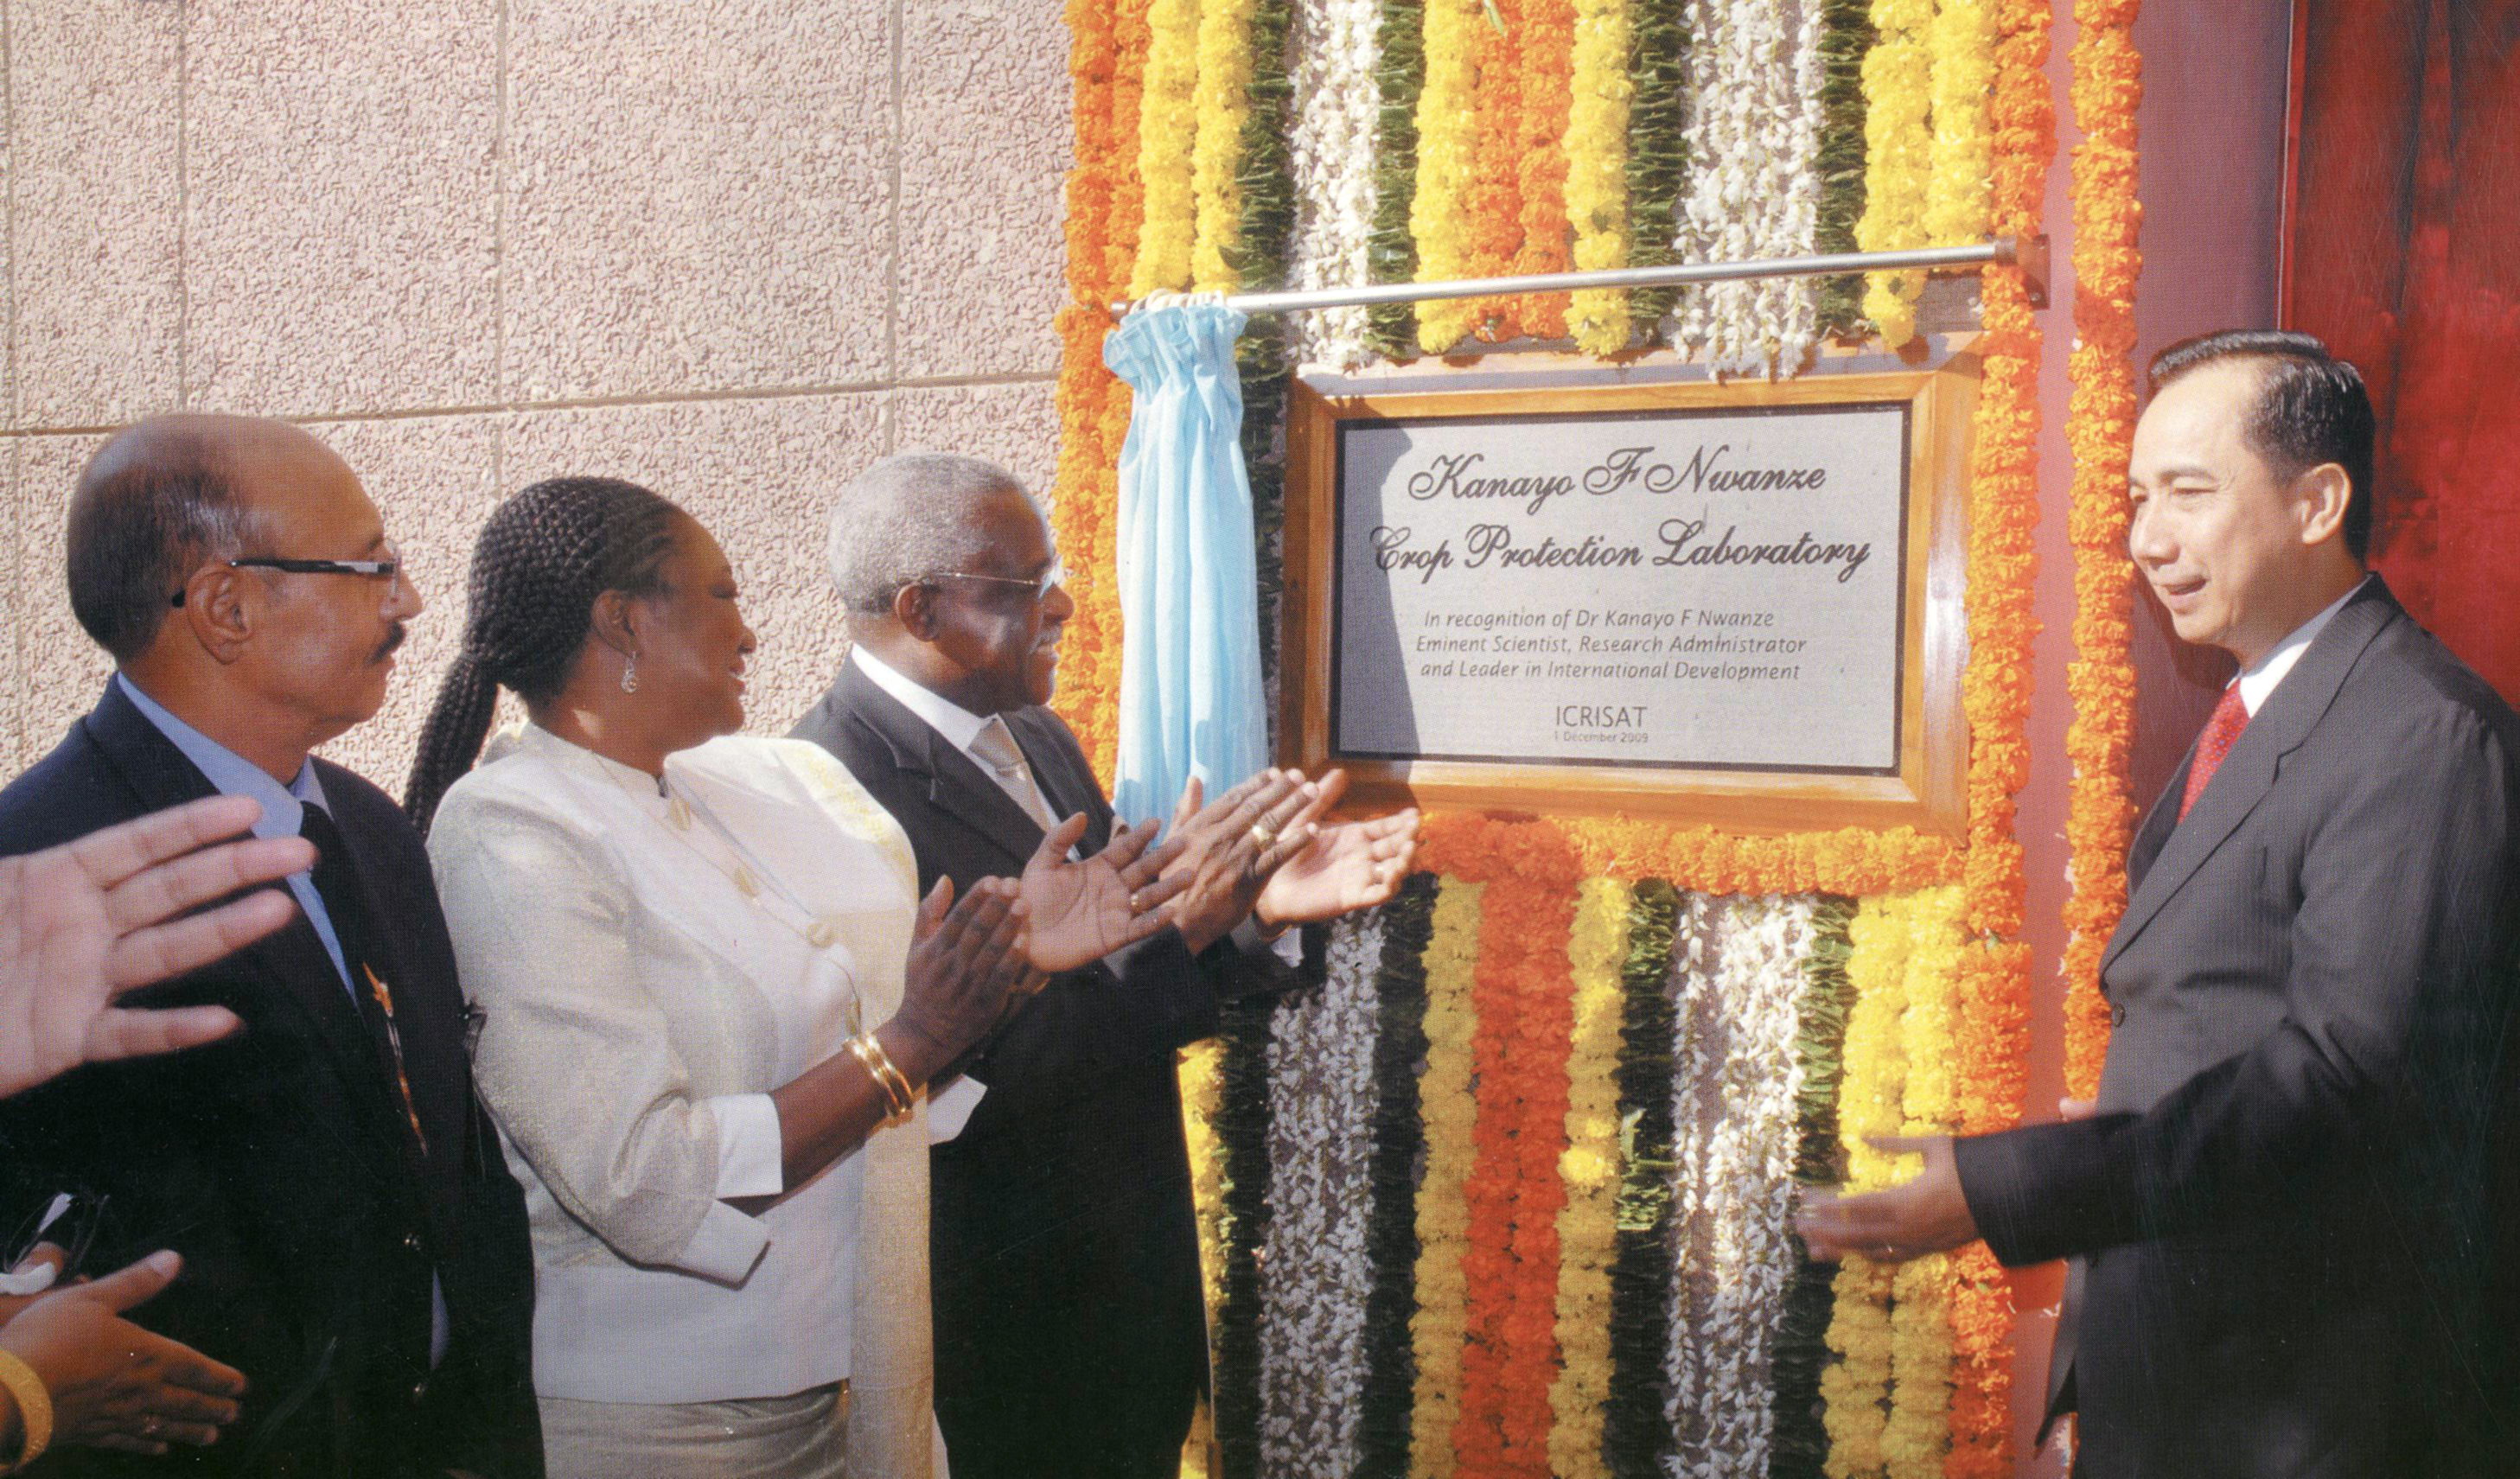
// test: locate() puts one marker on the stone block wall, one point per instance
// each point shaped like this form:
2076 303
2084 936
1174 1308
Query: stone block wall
734 249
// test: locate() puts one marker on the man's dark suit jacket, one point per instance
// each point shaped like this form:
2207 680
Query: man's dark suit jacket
2285 1207
1070 1328
279 1164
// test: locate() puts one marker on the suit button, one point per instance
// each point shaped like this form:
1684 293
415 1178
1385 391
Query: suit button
2117 1015
419 1392
410 1242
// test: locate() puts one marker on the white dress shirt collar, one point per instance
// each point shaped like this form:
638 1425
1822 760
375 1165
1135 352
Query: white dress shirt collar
958 725
2258 682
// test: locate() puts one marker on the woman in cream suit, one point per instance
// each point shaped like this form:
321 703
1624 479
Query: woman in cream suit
710 1002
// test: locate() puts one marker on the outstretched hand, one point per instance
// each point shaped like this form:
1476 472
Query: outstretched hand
85 922
1926 1215
1346 865
113 1384
1086 907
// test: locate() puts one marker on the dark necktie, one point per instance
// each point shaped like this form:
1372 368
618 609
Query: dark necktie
337 882
2230 716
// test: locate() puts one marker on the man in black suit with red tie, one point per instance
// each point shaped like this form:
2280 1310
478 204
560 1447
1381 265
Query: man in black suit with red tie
351 1239
2288 1208
1070 1328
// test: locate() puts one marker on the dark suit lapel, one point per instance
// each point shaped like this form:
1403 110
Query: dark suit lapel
2249 770
957 788
1068 782
433 1048
292 963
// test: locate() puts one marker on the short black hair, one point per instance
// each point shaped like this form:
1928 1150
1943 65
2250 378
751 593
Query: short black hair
150 506
2312 409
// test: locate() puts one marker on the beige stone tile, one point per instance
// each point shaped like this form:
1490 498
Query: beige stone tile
341 204
435 479
759 474
985 149
60 670
698 197
1015 427
95 258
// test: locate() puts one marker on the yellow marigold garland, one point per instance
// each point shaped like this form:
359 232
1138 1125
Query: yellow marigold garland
1167 120
1597 171
1588 1226
2108 83
1443 1215
1202 1090
1223 106
1917 1432
1447 166
1961 174
1897 89
1855 1390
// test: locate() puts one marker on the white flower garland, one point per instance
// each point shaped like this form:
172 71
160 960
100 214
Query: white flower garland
1314 1272
1338 115
1757 116
1697 1053
1741 1016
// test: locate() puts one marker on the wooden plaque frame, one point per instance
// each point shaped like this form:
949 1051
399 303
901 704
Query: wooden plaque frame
1928 791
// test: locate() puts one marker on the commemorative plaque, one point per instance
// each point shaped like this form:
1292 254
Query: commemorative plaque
1733 603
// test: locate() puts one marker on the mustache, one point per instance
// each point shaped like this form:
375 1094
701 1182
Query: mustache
395 635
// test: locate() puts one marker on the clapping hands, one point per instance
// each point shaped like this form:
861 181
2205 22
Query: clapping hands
1084 909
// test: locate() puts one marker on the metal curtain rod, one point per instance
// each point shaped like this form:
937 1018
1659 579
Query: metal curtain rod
2030 254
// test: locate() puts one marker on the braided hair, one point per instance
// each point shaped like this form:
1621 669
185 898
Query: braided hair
541 561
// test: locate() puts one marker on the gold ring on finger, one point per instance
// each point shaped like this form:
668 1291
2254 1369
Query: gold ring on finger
1136 901
1263 835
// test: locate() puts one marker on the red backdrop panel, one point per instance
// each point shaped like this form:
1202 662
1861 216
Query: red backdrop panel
2405 242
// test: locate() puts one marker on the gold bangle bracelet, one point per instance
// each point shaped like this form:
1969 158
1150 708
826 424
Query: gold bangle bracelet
889 1080
35 1411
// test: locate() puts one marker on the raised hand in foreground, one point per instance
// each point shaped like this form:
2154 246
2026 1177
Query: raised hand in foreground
84 923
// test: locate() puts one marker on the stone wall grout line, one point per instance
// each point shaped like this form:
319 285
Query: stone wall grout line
609 402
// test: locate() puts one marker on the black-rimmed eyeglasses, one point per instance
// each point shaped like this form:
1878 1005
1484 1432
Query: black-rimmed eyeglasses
1041 585
373 570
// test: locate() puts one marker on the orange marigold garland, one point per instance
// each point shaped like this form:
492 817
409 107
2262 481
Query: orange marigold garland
1093 404
1496 184
1992 1036
2108 83
1523 988
1851 861
1548 98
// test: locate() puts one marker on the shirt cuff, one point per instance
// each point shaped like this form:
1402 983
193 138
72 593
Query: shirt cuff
948 1112
726 1247
747 1145
1248 939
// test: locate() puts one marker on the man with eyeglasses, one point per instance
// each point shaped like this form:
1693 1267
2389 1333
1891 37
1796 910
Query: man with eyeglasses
1070 1328
352 1238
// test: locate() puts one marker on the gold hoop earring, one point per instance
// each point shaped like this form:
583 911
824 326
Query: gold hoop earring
630 675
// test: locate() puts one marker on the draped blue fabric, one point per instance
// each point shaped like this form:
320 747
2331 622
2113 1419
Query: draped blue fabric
1191 699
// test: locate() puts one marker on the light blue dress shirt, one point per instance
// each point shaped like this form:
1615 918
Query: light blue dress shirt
283 810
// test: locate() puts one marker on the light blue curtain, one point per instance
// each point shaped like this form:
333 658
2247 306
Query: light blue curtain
1191 700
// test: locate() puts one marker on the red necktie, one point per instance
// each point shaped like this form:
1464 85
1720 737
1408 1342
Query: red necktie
2230 716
